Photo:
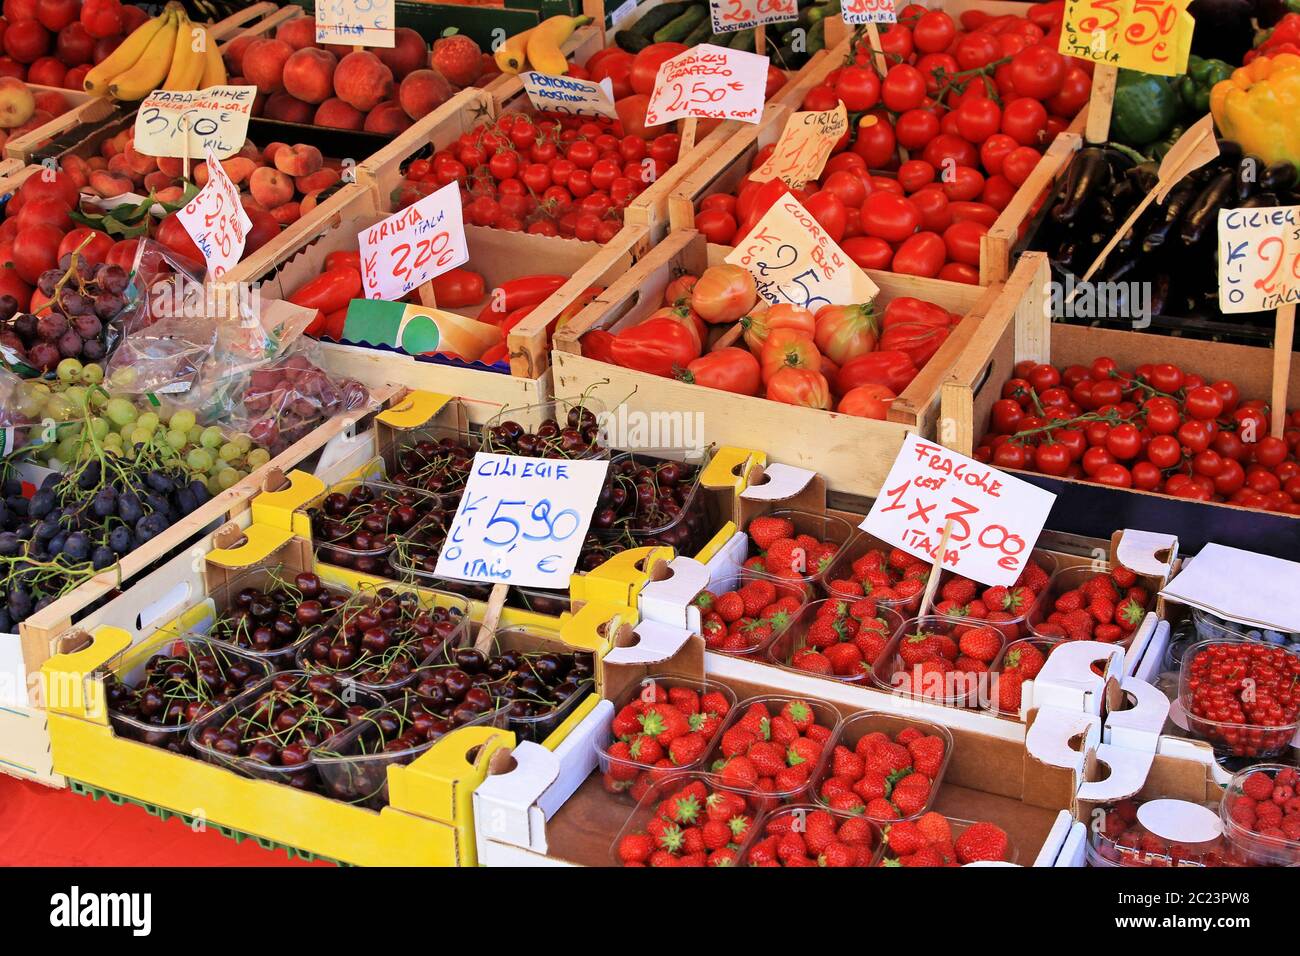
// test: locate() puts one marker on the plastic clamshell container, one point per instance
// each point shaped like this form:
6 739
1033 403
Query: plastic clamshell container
1232 739
886 858
300 776
667 681
691 530
428 599
1188 834
754 650
538 727
777 817
1068 579
408 465
831 529
263 579
1259 849
662 789
370 560
172 737
531 417
824 715
1211 627
1044 644
855 727
780 650
967 690
841 568
1018 625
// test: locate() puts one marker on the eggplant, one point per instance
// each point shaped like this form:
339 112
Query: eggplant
1246 178
1175 203
1159 293
1278 177
1088 175
1204 209
1262 201
1230 153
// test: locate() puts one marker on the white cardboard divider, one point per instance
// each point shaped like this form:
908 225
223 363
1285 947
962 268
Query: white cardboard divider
782 481
1050 852
1141 638
1147 552
1068 682
724 567
1149 662
1126 774
1074 850
1137 727
1049 737
656 642
669 601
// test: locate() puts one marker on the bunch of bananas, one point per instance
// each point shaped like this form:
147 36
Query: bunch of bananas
165 53
538 49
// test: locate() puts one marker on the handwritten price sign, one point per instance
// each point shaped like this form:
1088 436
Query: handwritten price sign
793 260
412 246
995 518
214 119
356 22
709 82
869 11
804 146
521 520
570 95
1151 36
731 15
1259 258
216 221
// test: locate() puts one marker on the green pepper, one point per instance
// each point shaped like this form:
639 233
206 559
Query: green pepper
1194 86
1158 149
1145 107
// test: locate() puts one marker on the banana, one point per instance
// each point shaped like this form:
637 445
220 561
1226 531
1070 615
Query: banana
214 67
151 69
544 42
187 62
126 55
512 55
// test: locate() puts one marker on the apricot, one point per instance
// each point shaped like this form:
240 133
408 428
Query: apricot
388 118
408 53
287 109
270 187
362 80
422 92
264 64
309 75
299 33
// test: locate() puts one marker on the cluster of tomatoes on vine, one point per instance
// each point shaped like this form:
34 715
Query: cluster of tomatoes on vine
548 175
1155 429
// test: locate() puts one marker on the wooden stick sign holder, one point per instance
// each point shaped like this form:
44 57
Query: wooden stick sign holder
487 629
1100 101
1283 343
932 582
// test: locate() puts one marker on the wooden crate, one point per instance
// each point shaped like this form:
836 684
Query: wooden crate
854 454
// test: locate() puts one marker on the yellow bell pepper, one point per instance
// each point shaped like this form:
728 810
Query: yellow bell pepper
1259 107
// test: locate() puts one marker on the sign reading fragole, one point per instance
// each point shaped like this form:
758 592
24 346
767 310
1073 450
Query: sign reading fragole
216 221
869 11
356 22
804 146
995 518
1151 36
1259 258
569 95
214 119
413 245
793 260
521 520
709 82
731 15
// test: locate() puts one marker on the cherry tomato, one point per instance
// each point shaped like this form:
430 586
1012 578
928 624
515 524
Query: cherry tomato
903 88
1024 120
912 175
1076 87
1019 163
963 184
1094 459
916 128
978 118
1165 378
1194 436
933 32
1113 474
1005 416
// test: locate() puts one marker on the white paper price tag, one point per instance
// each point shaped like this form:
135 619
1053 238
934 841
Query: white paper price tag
995 518
521 520
869 11
356 22
412 246
709 82
804 146
1259 258
570 95
216 221
731 15
213 119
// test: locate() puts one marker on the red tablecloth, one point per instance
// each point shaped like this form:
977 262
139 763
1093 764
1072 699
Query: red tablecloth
44 827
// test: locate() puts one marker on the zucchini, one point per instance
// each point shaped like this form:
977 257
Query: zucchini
816 37
743 40
657 17
680 27
631 42
700 34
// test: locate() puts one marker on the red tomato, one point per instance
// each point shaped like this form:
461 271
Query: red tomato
974 50
858 87
994 150
922 254
950 147
916 127
933 32
962 183
978 118
847 186
960 272
1038 71
868 251
876 143
891 368
976 211
933 204
645 65
1024 120
867 401
963 241
1018 164
890 217
903 88
1076 87
718 225
828 210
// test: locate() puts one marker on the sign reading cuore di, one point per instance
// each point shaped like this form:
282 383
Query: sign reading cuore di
709 82
995 518
1259 258
214 119
570 95
413 245
1151 36
869 11
521 520
793 260
356 22
216 220
731 15
804 146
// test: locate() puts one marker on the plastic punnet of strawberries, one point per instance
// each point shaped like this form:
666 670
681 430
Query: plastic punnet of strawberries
1261 811
1157 428
746 619
1122 840
893 578
929 841
791 557
774 747
884 778
547 175
686 821
812 836
1242 696
667 726
837 638
1004 608
1086 605
939 659
1021 662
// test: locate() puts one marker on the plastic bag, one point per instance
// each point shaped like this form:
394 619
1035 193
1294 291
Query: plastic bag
288 398
17 412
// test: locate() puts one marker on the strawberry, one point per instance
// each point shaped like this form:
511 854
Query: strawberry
766 529
845 587
803 750
693 859
821 734
644 749
1123 577
756 721
1100 586
784 554
626 722
908 589
635 848
845 763
757 595
768 758
904 838
739 771
736 740
799 713
881 810
935 827
1069 601
871 644
845 660
925 857
664 722
1009 686
704 601
740 824
724 856
945 646
687 749
1108 633
910 800
782 730
915 648
1102 610
714 702
791 778
981 643
458 58
849 803
899 559
1033 577
1129 614
981 841
970 665
873 785
684 699
811 661
837 855
730 606
927 755
693 841
856 832
1025 658
714 631
662 858
958 590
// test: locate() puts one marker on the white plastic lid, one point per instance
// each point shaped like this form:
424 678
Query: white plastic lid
1180 821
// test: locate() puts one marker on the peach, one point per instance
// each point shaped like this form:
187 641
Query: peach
97 162
309 202
264 64
338 115
120 166
309 75
299 32
239 168
388 117
157 180
199 174
362 80
169 195
250 150
77 169
408 53
270 187
39 119
234 54
17 104
268 154
321 179
300 160
108 185
139 163
173 166
422 92
288 109
290 212
249 203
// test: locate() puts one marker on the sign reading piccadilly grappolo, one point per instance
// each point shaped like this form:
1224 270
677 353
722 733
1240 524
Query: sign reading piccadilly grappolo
709 82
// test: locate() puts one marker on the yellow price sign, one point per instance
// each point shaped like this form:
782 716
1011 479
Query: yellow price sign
1151 36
